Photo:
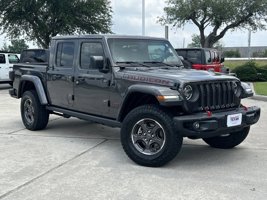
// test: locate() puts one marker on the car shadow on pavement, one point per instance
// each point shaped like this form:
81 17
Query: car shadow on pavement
201 155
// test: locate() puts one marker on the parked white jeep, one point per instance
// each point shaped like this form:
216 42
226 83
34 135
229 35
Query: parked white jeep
6 65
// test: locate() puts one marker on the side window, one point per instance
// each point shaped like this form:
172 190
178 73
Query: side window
208 57
2 59
13 58
65 54
87 51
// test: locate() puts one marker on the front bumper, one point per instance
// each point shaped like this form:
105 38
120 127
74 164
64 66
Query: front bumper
203 125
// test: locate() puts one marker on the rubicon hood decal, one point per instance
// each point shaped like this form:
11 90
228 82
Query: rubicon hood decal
148 79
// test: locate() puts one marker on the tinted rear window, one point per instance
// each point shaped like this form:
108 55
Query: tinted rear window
194 56
34 56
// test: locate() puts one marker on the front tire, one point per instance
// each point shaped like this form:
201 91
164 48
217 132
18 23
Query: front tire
228 141
148 136
33 114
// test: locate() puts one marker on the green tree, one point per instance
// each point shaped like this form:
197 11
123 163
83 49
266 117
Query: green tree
196 42
17 45
214 18
40 20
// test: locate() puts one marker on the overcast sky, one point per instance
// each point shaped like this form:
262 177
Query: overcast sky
127 19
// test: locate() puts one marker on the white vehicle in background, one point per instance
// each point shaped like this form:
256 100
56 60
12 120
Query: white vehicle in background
6 65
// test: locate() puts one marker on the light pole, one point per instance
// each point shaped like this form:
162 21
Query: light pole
249 44
143 18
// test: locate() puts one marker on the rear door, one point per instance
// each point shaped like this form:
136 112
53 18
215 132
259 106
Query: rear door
60 75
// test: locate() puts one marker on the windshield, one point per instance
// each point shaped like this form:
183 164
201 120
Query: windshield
142 51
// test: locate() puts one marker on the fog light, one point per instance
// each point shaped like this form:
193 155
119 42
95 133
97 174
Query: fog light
196 125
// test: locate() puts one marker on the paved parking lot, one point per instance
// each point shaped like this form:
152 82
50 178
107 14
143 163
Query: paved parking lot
74 159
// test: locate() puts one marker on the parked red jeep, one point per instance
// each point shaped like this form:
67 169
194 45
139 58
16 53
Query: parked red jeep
202 59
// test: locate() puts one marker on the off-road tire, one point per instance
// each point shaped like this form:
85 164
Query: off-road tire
171 146
228 141
33 114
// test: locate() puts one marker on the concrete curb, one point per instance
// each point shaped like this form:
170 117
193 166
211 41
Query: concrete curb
256 96
259 97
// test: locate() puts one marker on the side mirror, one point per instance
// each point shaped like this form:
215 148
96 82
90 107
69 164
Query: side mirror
181 57
222 59
97 62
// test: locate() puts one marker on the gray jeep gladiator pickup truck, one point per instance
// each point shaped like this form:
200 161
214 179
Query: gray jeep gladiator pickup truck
138 84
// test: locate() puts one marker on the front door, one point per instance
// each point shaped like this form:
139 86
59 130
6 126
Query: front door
60 75
91 87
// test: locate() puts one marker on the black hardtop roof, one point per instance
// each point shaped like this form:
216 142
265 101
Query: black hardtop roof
98 36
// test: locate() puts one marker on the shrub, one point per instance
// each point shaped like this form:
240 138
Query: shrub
231 54
262 73
247 71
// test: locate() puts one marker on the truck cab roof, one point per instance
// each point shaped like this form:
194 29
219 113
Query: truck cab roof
107 36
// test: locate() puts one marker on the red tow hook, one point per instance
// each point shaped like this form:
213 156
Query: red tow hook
209 113
245 108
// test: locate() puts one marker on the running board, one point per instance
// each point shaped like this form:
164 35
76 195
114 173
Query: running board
100 120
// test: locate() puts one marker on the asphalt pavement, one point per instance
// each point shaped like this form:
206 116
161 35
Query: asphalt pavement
74 159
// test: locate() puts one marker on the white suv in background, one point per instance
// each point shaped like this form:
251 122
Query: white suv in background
6 65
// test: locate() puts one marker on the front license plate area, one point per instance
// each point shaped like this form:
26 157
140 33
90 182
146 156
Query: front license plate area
234 120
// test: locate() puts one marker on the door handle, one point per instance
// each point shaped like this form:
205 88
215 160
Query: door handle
57 76
79 80
105 80
54 77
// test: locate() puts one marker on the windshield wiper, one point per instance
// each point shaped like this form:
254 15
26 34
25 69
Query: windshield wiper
157 62
132 62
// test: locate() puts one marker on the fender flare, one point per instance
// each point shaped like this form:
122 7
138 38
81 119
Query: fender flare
38 86
152 90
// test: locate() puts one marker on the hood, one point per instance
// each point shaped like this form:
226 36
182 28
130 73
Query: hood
171 76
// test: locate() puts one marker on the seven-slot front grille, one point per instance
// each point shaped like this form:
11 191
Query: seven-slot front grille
216 95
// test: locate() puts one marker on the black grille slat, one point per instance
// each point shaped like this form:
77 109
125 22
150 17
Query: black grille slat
224 95
213 96
220 95
202 96
229 91
208 96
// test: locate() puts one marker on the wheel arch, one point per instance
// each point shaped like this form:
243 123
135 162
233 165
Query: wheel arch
141 94
135 99
30 82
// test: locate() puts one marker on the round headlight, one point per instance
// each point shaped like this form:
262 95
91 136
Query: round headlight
188 92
